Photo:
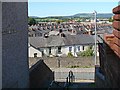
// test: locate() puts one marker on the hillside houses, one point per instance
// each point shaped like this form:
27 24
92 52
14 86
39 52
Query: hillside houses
69 28
75 28
53 39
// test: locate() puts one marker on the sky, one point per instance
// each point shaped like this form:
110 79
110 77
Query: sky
44 9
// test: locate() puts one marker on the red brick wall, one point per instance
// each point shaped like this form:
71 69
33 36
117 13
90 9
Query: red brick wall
116 32
110 56
109 67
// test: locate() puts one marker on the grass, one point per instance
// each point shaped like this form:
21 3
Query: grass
87 66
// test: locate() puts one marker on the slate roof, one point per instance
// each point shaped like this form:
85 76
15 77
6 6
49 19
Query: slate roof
68 40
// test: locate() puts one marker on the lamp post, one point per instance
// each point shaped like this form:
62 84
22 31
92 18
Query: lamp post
95 23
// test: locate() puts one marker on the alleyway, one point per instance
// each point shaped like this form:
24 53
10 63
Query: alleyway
83 77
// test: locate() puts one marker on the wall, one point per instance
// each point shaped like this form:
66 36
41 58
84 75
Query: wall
0 46
32 50
54 50
66 62
65 50
40 75
15 69
46 51
110 56
109 68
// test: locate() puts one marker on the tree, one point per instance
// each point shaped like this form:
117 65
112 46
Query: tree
58 21
87 53
31 21
110 19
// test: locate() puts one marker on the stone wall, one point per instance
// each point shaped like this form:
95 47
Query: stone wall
67 62
15 69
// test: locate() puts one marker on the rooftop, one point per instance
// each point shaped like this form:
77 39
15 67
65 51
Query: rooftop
68 40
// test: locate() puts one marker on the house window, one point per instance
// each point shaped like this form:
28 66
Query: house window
42 53
40 34
78 48
59 50
70 49
35 54
49 50
83 48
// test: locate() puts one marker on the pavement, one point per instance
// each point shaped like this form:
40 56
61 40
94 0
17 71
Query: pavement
85 81
80 74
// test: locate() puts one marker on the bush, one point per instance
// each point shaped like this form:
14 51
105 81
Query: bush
70 54
86 53
73 66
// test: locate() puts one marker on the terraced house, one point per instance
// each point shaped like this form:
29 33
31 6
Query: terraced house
19 72
60 45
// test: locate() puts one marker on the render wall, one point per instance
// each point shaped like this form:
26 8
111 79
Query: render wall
32 51
15 70
0 45
65 50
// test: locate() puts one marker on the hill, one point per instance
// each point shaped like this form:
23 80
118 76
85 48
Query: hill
99 15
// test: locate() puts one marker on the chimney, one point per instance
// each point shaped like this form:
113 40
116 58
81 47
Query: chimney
46 35
60 30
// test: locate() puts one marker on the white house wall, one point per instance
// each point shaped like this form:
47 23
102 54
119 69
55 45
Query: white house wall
77 48
97 50
65 50
54 51
46 51
32 51
86 47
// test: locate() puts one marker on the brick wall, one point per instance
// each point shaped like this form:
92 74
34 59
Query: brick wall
109 67
116 32
110 56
